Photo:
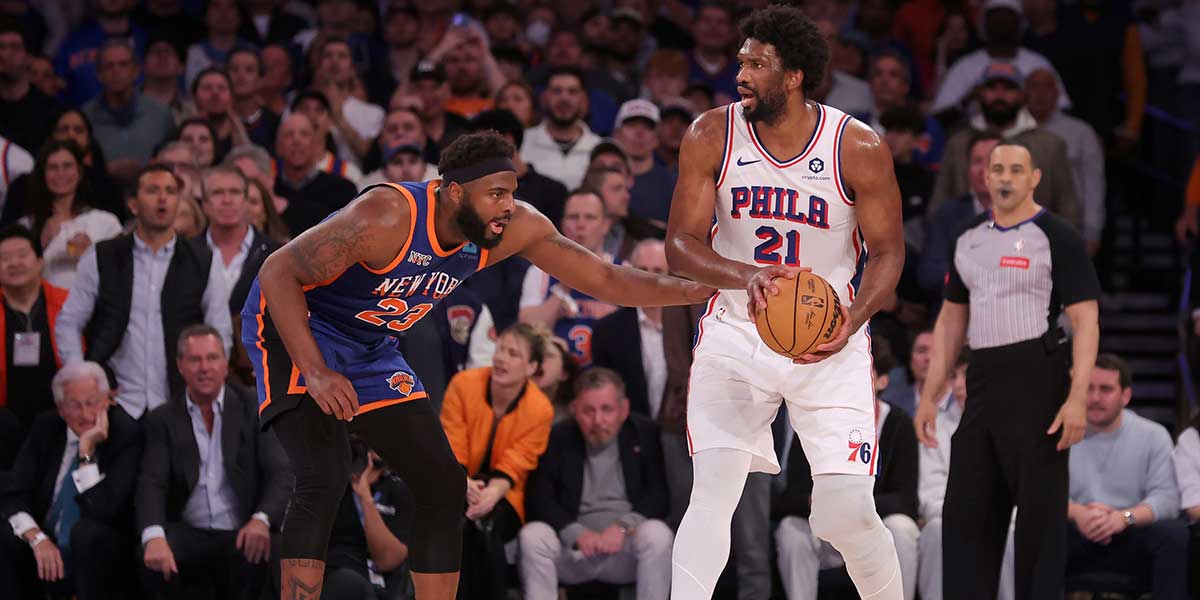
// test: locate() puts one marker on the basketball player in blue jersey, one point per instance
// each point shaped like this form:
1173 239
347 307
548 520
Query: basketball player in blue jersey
819 210
318 324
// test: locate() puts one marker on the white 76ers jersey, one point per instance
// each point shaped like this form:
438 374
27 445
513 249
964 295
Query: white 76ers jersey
795 212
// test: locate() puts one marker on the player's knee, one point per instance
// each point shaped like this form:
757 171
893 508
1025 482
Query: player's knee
842 505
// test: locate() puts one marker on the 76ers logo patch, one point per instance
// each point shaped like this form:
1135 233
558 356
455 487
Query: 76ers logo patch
401 382
860 449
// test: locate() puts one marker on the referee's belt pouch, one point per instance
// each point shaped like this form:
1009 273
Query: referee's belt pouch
1054 339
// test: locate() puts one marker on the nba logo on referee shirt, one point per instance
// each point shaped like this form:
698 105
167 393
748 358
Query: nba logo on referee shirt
860 449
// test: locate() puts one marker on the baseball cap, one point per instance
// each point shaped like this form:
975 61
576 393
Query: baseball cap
428 70
1000 70
638 108
1013 5
392 152
626 13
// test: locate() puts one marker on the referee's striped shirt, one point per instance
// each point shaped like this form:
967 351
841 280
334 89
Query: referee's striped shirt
1016 279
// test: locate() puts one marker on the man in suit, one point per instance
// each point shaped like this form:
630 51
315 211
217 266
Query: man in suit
212 486
597 499
68 497
239 247
630 340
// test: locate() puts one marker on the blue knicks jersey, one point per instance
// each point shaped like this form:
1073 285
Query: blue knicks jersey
367 304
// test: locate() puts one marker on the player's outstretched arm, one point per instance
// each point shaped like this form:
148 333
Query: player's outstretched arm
872 180
368 230
579 269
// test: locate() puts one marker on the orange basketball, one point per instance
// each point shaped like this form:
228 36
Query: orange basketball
805 314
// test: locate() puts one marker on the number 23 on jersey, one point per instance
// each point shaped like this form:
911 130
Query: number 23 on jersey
395 313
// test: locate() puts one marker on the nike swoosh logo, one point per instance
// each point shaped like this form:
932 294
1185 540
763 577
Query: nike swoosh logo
741 163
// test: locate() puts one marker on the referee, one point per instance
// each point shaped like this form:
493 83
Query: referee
1014 269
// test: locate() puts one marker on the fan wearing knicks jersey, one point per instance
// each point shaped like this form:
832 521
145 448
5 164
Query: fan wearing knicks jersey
318 325
792 185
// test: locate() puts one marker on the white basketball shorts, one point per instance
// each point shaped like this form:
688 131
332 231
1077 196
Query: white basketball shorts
737 384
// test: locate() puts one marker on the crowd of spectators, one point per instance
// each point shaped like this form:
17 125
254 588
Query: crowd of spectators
153 154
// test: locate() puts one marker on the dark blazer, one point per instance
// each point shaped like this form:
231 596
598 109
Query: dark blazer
895 480
260 249
556 486
617 345
29 486
255 464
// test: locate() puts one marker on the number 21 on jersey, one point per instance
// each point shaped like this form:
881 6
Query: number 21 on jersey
767 253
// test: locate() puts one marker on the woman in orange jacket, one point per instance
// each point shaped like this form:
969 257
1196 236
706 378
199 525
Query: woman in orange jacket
498 423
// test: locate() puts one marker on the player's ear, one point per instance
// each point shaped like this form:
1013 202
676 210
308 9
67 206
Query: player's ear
796 79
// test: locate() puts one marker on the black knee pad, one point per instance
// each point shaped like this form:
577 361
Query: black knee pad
318 448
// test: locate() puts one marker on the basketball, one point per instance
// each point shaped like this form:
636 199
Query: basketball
805 314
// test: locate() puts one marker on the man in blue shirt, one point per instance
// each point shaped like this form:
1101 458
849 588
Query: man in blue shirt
76 59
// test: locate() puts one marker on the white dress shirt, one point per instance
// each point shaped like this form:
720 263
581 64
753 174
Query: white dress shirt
232 271
84 478
140 361
654 362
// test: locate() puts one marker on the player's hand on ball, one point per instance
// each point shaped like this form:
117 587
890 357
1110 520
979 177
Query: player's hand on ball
761 284
332 392
833 346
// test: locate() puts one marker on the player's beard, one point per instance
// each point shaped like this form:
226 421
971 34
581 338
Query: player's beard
474 227
768 107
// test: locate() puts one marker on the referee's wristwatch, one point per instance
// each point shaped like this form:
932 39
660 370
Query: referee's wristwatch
1130 520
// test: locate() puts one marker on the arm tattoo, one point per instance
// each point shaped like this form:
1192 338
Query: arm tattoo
325 255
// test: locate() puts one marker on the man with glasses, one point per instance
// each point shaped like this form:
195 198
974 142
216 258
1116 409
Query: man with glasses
69 497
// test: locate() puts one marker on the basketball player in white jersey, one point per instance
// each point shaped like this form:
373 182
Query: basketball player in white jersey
794 186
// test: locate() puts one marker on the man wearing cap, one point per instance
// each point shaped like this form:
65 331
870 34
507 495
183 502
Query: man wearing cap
1002 109
562 144
428 82
653 184
1000 24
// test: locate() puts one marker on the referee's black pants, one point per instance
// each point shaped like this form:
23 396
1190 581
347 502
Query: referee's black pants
1001 457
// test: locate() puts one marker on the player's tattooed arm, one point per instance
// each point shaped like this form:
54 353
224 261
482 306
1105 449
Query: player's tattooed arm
579 269
319 258
872 181
364 231
372 230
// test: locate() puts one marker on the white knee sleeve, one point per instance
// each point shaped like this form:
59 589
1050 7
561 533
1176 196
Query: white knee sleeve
843 514
702 542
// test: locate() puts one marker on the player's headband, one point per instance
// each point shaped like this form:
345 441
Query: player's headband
462 175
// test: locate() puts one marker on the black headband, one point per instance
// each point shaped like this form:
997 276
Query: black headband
480 169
